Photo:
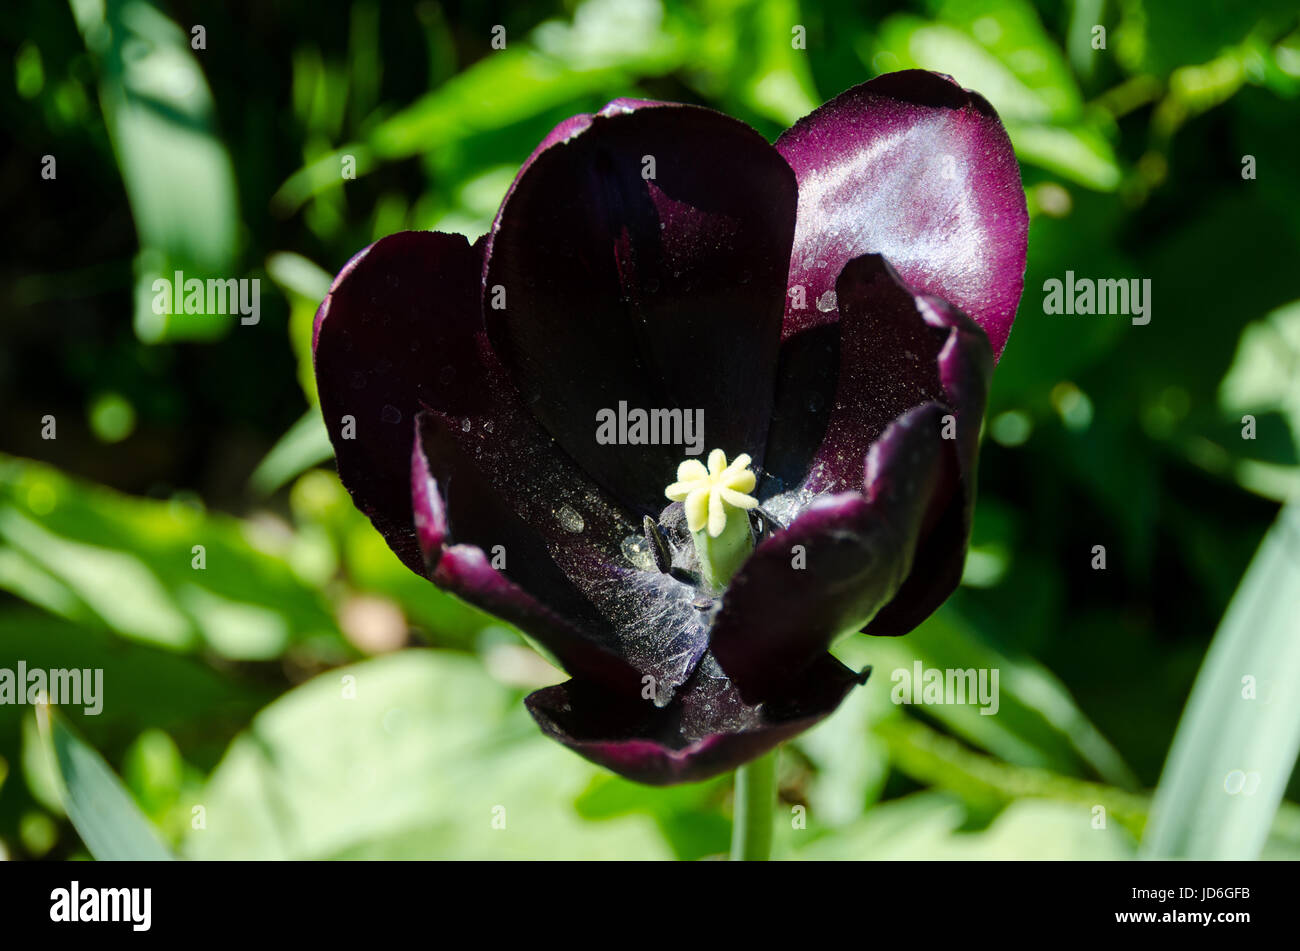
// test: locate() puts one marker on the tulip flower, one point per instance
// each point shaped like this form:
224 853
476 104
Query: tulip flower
832 308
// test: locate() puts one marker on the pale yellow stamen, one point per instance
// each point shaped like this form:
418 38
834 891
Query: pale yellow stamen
709 495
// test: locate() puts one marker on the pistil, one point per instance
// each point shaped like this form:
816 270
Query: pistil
717 502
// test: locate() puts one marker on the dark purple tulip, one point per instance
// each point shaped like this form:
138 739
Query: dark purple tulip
834 304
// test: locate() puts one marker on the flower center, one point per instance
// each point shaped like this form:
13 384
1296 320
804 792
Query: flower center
716 500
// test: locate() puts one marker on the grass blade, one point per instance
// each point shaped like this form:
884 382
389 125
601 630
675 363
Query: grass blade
101 809
1238 739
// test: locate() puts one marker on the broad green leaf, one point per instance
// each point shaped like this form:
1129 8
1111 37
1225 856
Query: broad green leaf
1237 743
103 812
851 759
164 572
415 755
690 816
929 825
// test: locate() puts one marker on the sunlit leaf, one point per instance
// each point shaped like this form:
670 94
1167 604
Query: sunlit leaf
1003 52
159 114
103 812
164 572
303 446
416 755
1238 740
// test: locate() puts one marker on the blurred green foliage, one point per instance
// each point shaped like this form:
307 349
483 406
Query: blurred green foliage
259 706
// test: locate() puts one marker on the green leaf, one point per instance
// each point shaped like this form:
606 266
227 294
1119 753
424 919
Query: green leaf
928 825
415 755
930 757
1004 53
305 284
1077 152
606 47
319 502
160 118
109 560
305 444
103 812
1037 724
1161 35
1238 739
1265 373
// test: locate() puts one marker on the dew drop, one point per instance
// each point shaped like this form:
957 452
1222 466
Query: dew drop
826 303
637 550
466 425
489 426
570 520
391 414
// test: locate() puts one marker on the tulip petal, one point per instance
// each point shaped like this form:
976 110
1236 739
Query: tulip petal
640 259
882 543
457 529
505 483
832 568
965 366
889 349
911 166
707 730
394 330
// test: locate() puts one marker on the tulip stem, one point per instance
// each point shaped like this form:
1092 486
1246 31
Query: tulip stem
755 799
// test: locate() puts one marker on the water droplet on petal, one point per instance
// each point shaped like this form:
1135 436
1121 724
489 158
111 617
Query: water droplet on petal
391 414
637 550
489 426
570 520
826 303
466 425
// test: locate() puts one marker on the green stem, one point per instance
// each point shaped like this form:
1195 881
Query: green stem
751 825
